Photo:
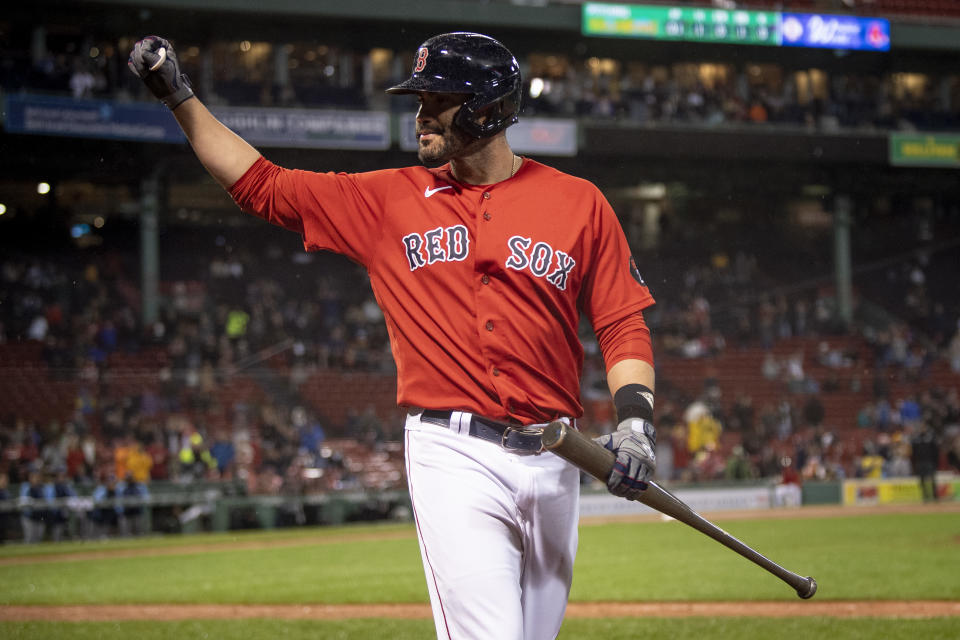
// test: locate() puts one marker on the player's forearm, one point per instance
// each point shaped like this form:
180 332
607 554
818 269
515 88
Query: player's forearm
630 371
225 155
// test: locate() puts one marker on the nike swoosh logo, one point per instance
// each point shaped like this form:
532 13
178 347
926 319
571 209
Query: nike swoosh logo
429 192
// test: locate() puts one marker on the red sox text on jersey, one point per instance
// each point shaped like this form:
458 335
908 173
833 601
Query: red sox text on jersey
453 244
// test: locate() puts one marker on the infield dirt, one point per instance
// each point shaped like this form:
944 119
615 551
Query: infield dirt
159 612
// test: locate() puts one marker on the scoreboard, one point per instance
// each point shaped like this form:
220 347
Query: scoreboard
768 28
680 23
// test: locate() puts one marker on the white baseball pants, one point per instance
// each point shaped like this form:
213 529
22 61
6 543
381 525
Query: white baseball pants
497 532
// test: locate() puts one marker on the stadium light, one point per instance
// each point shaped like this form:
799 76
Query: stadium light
43 188
536 87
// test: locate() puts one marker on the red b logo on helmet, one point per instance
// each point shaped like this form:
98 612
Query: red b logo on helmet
422 54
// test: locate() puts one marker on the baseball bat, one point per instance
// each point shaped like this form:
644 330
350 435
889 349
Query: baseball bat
598 461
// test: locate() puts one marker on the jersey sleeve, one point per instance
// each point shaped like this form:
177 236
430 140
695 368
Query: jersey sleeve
625 338
334 211
613 287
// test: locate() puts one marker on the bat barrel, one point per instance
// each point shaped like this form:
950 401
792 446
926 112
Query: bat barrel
807 588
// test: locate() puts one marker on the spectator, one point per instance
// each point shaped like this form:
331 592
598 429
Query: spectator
82 82
34 512
132 514
870 465
899 465
925 456
121 455
159 457
883 415
813 467
757 112
5 515
738 466
75 461
139 462
813 411
742 413
794 373
104 518
38 329
310 430
953 454
953 352
88 445
61 488
195 459
224 453
910 413
784 418
703 429
771 366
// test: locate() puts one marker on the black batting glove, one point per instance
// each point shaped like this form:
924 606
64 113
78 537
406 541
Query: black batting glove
154 61
634 443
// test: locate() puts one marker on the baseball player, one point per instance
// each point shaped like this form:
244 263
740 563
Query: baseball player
482 265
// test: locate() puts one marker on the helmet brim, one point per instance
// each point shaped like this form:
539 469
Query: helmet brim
421 84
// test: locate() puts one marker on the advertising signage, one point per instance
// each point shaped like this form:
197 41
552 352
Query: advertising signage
151 122
834 32
925 150
770 28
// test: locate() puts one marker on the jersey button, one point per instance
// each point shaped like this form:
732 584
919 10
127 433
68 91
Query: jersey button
486 195
496 371
485 279
489 325
486 216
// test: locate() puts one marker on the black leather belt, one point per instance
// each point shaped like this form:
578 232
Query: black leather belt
508 436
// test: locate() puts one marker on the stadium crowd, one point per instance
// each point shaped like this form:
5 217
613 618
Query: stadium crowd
706 93
225 313
86 320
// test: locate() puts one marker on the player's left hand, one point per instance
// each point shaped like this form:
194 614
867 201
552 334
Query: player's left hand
634 443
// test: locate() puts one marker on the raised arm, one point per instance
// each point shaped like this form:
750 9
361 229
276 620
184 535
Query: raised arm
223 153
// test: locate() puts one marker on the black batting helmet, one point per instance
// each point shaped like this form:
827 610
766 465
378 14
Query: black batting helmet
473 63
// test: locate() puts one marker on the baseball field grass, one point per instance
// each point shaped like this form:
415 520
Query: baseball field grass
341 582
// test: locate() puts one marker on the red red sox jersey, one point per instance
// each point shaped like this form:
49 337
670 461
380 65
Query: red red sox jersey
481 286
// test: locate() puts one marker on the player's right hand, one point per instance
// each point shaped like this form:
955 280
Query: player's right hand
155 62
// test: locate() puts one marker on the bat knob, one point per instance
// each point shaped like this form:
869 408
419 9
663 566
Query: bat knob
807 590
162 52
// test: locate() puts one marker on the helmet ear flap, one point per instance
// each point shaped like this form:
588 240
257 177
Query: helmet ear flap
482 117
468 119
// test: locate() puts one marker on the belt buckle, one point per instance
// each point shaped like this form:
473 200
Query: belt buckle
509 429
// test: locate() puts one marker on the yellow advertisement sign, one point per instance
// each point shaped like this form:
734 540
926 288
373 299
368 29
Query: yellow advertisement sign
924 150
895 491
